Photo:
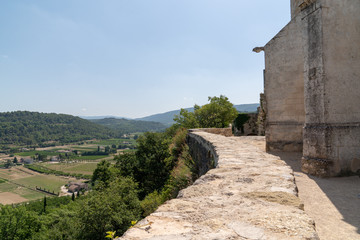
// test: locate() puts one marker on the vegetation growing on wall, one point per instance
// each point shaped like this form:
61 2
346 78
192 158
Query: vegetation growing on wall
240 120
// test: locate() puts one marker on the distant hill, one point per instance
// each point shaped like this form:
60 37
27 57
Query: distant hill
167 117
125 126
101 117
243 108
33 128
164 118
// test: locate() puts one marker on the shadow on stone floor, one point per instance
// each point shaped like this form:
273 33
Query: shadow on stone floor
343 192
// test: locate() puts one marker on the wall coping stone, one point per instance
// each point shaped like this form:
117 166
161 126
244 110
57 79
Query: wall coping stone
249 195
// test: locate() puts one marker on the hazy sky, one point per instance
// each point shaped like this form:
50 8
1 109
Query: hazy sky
132 58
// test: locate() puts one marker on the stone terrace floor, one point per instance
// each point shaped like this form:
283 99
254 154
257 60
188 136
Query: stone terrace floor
250 195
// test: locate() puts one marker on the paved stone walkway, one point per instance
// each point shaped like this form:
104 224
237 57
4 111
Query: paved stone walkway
333 203
250 195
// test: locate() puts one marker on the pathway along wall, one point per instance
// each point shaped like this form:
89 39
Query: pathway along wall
249 195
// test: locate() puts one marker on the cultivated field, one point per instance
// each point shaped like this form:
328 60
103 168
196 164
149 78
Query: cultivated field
18 184
79 167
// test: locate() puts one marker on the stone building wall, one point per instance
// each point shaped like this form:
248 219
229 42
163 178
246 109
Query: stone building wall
284 89
332 85
312 86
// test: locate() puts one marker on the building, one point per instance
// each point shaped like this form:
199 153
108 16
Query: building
312 86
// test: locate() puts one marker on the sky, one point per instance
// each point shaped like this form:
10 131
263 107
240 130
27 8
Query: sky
132 58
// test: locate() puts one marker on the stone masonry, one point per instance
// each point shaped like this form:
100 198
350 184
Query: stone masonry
312 86
248 195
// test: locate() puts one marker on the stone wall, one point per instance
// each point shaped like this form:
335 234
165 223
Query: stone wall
202 152
331 31
312 85
249 195
284 89
227 132
249 128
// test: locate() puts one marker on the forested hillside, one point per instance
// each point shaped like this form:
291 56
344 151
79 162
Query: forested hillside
29 128
125 126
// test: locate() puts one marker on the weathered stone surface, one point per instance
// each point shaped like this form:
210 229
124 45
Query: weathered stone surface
249 195
284 89
312 86
227 132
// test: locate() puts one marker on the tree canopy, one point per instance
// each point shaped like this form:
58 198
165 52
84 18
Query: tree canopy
219 113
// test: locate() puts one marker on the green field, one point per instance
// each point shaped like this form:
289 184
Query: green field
21 191
49 182
83 168
32 153
110 142
95 157
86 148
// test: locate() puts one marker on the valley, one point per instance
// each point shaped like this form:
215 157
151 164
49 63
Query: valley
50 168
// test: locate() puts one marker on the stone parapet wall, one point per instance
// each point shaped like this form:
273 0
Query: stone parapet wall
227 132
248 195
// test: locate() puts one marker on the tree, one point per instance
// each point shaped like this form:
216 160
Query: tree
112 209
8 164
73 196
127 165
219 113
17 223
152 152
107 149
102 173
15 161
45 204
187 119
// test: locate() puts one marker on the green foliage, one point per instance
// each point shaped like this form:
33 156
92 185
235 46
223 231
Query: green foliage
45 204
127 165
126 126
103 173
17 224
187 119
110 210
148 166
9 164
156 172
51 204
180 174
95 153
45 170
151 202
33 128
151 154
219 113
240 120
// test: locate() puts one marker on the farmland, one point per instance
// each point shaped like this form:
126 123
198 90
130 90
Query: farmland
77 167
18 184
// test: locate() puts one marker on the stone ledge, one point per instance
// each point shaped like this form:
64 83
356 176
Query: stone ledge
249 195
227 132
